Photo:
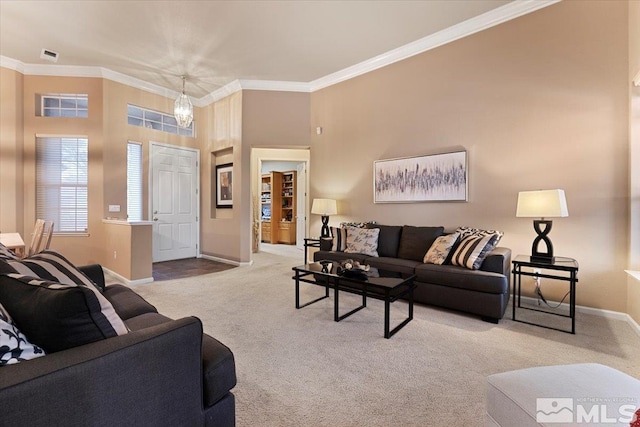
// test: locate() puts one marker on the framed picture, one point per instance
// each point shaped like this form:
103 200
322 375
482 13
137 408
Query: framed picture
224 186
432 178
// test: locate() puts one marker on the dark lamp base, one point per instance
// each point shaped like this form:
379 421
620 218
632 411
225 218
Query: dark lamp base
543 259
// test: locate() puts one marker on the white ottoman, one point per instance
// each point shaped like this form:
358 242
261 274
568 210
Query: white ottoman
563 395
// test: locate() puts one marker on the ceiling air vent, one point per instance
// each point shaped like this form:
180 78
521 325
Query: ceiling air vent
49 55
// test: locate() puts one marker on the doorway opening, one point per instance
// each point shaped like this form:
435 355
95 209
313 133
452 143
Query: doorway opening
280 205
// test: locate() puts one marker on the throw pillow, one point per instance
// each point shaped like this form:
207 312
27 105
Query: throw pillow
14 346
339 239
357 224
52 266
468 231
472 250
58 316
416 241
6 253
362 241
439 250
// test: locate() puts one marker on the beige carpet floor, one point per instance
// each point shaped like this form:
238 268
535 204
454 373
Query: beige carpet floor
300 368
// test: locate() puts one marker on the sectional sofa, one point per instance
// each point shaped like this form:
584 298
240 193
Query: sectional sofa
86 354
401 250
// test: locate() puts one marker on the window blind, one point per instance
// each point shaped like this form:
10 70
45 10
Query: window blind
134 181
61 182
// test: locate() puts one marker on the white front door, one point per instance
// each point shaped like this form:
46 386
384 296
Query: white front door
174 202
301 203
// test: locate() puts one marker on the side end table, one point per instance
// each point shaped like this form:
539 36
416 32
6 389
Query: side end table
310 242
564 269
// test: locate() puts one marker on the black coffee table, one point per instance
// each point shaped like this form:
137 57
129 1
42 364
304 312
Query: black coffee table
374 285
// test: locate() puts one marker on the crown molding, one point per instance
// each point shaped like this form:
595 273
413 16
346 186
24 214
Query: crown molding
487 20
12 64
479 23
268 85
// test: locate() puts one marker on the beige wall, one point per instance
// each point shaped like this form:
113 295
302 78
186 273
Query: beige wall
220 228
11 137
108 133
539 102
82 248
633 286
270 120
240 123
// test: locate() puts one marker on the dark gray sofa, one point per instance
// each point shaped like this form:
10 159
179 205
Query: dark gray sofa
483 292
163 372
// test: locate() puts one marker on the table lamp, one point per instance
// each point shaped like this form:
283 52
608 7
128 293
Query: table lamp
324 207
542 204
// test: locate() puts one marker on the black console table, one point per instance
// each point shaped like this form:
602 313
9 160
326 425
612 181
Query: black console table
310 242
565 269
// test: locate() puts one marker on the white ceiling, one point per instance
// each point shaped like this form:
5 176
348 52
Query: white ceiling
218 42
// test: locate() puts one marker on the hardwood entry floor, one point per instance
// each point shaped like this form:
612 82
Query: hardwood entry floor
181 268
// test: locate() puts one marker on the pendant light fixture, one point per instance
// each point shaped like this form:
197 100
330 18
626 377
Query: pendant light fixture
183 108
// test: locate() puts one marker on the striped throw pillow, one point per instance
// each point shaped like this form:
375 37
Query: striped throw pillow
52 266
6 253
472 250
56 316
339 239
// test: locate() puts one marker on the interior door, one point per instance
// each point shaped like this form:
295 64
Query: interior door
301 203
174 202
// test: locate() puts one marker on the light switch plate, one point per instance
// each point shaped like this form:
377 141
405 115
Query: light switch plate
114 208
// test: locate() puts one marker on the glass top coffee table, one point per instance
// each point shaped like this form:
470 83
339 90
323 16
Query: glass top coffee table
371 284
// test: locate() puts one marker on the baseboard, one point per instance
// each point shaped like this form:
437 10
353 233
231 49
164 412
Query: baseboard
126 281
610 314
226 261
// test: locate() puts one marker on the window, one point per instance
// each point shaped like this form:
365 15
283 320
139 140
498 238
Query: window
61 182
134 181
65 105
138 116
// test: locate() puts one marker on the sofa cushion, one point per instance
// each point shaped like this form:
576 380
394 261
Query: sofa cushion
58 316
463 278
14 346
219 370
218 363
388 239
404 267
50 266
472 250
126 302
416 241
440 249
146 320
362 241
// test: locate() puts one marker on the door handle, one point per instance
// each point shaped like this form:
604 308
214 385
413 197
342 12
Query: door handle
155 219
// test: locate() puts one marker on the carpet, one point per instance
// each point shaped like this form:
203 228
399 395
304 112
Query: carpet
300 368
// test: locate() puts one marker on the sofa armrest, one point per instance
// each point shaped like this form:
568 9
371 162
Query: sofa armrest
130 379
95 273
498 261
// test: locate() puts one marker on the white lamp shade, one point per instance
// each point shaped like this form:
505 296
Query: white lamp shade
324 207
542 204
